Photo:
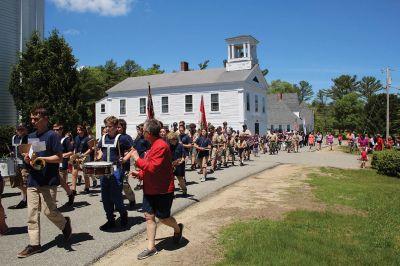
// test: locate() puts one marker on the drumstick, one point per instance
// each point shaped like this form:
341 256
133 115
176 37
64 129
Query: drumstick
119 151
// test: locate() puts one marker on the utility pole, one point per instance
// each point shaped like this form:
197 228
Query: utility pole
388 84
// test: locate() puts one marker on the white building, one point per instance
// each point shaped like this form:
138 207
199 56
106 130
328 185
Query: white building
286 113
236 94
18 19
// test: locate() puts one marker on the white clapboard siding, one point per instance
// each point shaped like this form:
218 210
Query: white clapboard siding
231 106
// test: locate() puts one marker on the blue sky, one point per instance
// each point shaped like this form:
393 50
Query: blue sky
299 39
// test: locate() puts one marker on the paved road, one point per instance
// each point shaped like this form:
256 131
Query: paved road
89 243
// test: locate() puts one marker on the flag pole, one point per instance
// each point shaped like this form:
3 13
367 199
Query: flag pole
150 107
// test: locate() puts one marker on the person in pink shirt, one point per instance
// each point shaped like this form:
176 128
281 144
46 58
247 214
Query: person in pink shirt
311 140
329 140
363 142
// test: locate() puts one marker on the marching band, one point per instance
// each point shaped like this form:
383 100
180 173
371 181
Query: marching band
45 158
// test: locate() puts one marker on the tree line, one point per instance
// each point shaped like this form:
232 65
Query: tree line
353 104
350 104
47 75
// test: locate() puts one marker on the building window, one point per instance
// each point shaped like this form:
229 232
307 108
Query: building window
247 102
164 104
188 103
255 79
288 128
239 53
122 107
256 103
263 105
102 108
142 105
280 127
214 102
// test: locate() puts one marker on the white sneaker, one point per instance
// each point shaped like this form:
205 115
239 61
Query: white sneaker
202 179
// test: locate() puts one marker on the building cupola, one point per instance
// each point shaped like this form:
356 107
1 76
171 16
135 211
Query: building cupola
242 52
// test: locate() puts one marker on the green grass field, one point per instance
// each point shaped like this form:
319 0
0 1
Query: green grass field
345 149
371 237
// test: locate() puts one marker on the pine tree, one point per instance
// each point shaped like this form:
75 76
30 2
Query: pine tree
46 76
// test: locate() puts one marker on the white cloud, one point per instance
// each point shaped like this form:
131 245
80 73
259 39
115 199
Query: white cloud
102 7
72 32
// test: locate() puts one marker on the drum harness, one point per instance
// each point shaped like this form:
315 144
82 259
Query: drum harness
15 145
62 143
109 146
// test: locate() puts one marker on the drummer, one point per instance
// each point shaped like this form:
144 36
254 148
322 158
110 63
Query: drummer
112 148
21 177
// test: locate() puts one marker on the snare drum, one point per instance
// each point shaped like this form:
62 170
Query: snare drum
98 169
7 167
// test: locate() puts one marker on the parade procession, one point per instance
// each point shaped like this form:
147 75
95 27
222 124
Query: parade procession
145 132
47 157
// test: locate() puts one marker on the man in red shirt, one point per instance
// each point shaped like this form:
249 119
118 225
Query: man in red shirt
155 169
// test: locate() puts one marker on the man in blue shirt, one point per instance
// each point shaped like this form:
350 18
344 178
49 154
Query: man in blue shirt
43 163
82 150
141 145
67 152
185 139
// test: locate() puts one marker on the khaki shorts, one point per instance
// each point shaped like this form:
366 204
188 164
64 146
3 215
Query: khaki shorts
216 153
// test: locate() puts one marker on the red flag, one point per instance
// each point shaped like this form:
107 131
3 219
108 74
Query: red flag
203 121
150 108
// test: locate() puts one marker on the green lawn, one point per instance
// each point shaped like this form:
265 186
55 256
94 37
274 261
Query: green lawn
345 149
326 238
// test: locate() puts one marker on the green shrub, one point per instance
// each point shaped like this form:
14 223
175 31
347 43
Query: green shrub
6 133
374 158
387 162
